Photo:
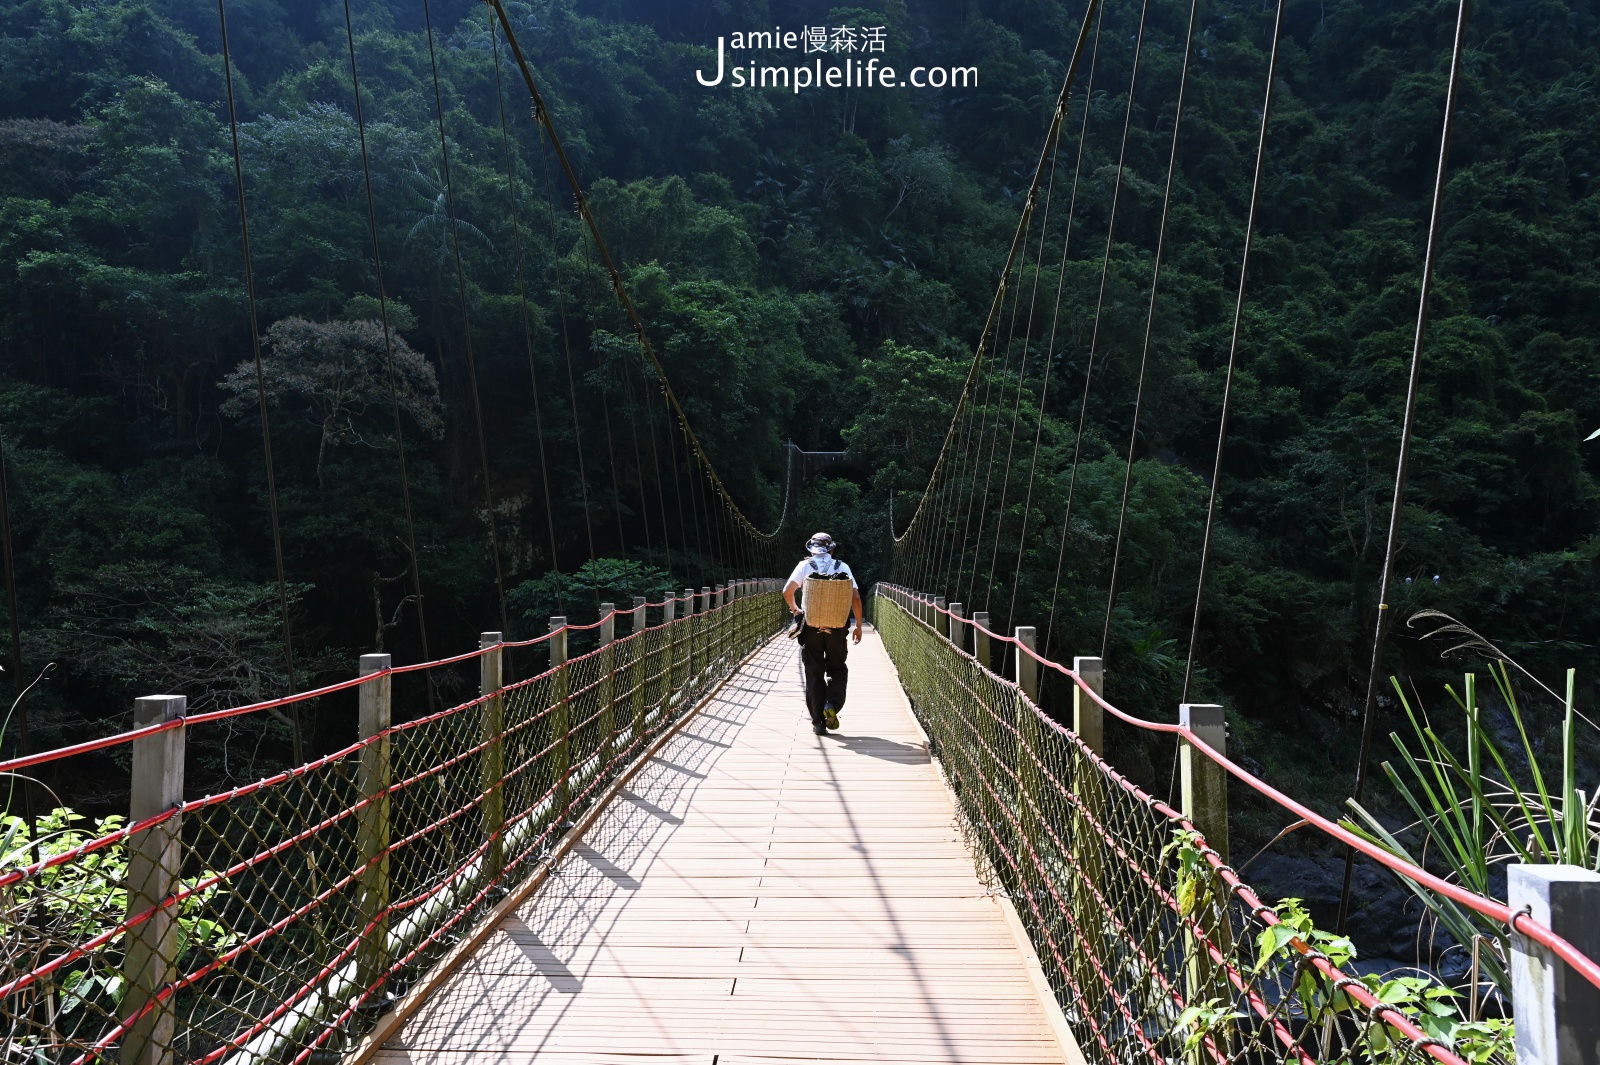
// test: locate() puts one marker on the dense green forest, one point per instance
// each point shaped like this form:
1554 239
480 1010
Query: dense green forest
813 267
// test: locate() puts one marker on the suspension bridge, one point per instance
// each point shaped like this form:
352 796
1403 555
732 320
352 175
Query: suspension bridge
627 844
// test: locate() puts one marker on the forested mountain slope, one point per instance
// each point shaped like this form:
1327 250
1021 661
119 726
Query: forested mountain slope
813 266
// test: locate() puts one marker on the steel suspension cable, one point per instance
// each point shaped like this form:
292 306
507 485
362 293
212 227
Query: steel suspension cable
1022 371
415 565
684 515
466 318
261 395
24 739
1407 426
1050 347
655 459
1099 311
951 576
1150 319
1000 401
522 306
542 114
994 309
605 417
566 339
1116 188
1084 410
1233 350
638 463
972 443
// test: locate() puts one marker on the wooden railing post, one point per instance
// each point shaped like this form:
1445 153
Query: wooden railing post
690 676
155 860
1205 783
1027 665
608 683
1087 826
1088 719
492 732
374 715
1204 786
980 640
719 628
958 631
639 648
669 631
1029 740
1557 1011
560 723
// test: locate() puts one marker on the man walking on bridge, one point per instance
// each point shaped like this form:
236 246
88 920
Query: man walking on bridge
831 595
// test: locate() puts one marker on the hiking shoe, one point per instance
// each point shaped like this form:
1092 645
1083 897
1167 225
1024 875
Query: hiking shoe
830 716
819 730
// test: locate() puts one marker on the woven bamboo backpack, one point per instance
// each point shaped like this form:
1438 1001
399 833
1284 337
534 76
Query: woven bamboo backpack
827 600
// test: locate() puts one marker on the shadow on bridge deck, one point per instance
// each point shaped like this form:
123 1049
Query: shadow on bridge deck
756 894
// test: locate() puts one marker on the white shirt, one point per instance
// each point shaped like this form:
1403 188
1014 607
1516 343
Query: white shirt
823 565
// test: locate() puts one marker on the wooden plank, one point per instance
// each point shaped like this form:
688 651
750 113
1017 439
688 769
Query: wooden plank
757 895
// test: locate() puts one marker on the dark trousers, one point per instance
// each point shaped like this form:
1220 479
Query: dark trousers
822 652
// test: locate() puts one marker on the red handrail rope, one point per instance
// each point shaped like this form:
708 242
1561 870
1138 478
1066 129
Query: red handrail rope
1520 921
120 738
1105 978
619 753
434 936
1340 981
178 897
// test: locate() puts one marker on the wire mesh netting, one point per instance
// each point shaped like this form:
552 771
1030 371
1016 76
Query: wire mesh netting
1154 948
277 921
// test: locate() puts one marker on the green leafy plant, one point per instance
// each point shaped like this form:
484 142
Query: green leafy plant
1185 847
1474 811
1198 1022
1432 1006
82 898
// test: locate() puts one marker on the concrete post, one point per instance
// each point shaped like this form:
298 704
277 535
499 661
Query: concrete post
155 860
492 717
560 722
958 630
1027 667
639 613
1557 1011
941 622
374 716
1205 783
1088 719
705 599
980 639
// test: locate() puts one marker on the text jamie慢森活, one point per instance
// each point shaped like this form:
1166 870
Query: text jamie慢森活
843 41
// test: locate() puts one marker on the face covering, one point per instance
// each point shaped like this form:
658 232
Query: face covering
819 551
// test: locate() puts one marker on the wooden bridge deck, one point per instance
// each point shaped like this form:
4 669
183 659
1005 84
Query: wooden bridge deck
757 894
